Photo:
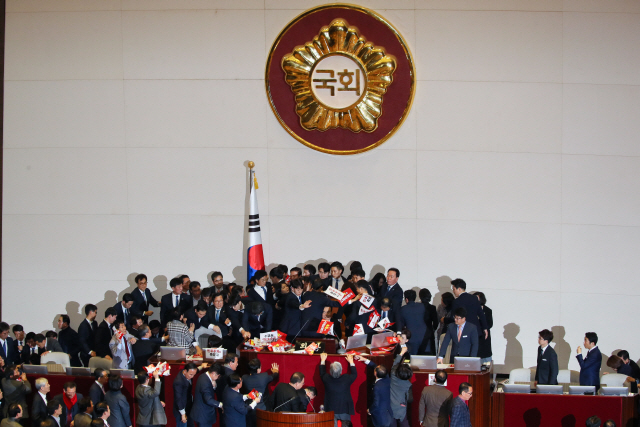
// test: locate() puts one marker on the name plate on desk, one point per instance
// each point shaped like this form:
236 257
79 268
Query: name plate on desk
302 345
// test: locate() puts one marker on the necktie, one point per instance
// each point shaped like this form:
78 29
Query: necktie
126 315
144 296
459 332
384 314
299 299
177 300
126 348
336 283
217 314
4 348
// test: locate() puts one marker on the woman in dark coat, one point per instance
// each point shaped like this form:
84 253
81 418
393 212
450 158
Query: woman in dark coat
484 345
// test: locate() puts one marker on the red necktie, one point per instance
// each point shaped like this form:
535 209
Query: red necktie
126 348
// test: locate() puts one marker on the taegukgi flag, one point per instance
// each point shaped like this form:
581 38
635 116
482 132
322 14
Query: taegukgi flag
255 257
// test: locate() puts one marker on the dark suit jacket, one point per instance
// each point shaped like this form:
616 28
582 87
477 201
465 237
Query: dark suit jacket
236 324
460 413
547 367
431 318
412 315
95 394
258 382
590 367
255 326
119 409
221 322
192 317
290 324
235 408
319 301
143 349
337 395
204 404
166 306
468 345
268 305
182 396
380 406
74 408
139 305
223 381
255 296
102 338
475 315
70 343
285 399
120 313
86 336
13 355
38 410
395 294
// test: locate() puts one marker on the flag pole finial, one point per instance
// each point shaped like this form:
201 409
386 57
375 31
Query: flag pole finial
251 165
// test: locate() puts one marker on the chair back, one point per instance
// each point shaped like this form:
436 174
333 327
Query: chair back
99 362
566 376
520 375
55 368
613 380
57 357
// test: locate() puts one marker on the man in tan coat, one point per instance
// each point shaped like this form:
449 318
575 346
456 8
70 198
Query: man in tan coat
435 402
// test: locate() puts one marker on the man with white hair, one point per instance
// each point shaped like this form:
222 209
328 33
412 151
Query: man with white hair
337 388
39 405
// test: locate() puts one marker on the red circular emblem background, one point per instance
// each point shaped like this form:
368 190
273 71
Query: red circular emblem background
396 102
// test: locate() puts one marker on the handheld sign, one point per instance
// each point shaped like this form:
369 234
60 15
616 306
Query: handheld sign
326 327
269 336
334 293
366 300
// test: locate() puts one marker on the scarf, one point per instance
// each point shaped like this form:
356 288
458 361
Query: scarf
69 404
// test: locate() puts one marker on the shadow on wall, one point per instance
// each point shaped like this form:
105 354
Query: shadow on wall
513 358
562 348
444 285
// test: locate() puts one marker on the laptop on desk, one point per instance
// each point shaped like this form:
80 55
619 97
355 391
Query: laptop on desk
77 371
516 388
357 341
173 353
469 364
548 389
380 340
426 363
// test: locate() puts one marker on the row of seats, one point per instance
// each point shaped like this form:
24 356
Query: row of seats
565 376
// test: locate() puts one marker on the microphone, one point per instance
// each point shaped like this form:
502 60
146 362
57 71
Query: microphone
321 409
305 324
314 409
274 409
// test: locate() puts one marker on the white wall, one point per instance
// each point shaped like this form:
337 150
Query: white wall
517 169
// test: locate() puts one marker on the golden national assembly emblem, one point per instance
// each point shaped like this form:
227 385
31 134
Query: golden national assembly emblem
340 79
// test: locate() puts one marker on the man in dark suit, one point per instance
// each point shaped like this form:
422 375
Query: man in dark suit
431 319
123 309
235 407
205 405
635 370
69 401
337 396
218 283
285 395
197 316
262 293
104 334
86 334
142 299
229 368
386 312
96 391
471 304
144 348
547 366
412 316
7 347
255 319
182 395
463 336
392 289
69 340
590 362
291 304
19 338
337 280
258 380
380 397
460 416
39 405
217 315
173 300
83 417
43 346
313 305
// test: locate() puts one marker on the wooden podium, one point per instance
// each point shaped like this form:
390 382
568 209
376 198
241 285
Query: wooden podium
273 419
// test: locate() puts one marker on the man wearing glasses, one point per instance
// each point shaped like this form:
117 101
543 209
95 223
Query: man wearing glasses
459 410
463 336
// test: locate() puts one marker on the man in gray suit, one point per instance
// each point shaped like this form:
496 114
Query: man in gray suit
435 402
150 408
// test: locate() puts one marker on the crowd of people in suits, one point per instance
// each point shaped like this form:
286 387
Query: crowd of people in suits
294 302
